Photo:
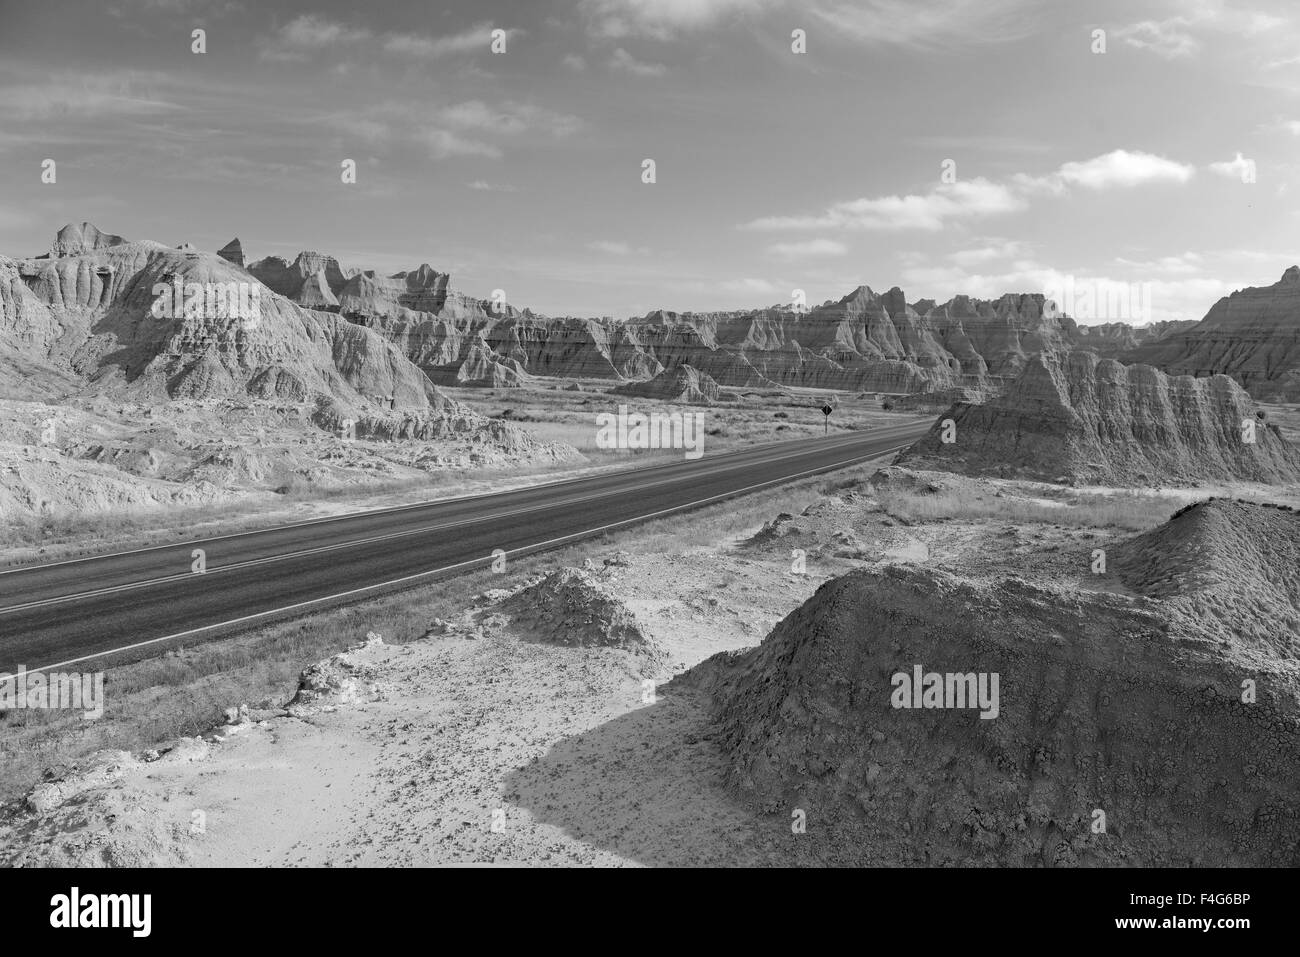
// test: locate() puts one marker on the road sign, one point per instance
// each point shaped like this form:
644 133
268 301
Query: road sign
826 411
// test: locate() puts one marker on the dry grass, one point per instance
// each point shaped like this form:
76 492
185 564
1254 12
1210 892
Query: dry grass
184 692
1134 512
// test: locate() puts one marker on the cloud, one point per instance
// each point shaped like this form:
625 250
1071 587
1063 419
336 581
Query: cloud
810 249
445 144
995 250
614 248
1238 168
1183 265
477 38
484 186
1165 38
931 211
1184 35
305 35
575 63
510 118
660 19
1118 168
122 93
622 60
951 203
927 24
1184 297
1280 125
751 286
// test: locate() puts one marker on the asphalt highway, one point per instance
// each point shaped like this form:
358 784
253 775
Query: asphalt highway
133 604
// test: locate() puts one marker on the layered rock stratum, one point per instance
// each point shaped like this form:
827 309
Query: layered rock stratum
1252 335
108 332
1074 417
678 384
865 341
232 252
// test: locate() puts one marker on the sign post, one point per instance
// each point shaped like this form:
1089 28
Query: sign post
826 411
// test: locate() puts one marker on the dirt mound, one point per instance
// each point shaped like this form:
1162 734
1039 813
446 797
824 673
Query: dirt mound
335 682
680 384
572 607
1100 707
1077 418
1232 568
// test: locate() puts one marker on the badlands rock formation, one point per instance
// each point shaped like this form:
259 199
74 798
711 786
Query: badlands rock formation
151 406
1082 419
865 341
1252 335
232 252
311 280
679 384
91 314
1105 703
75 240
1114 340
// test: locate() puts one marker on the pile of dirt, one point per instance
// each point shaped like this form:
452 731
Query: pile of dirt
1110 737
1230 567
679 384
572 607
339 681
1077 418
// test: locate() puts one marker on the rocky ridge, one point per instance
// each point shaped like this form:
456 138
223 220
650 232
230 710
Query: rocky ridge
1077 418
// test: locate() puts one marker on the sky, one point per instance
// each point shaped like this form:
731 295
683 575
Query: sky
948 147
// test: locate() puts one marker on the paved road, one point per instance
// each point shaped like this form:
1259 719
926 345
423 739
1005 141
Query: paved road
131 604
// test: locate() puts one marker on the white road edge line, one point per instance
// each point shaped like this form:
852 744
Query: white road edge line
472 561
704 472
389 510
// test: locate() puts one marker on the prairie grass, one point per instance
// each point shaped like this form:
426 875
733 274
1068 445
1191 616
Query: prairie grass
185 691
1128 511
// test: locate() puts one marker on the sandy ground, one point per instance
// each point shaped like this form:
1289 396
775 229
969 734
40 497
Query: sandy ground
479 745
560 744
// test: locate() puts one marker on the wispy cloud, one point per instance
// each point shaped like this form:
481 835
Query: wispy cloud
1237 168
117 93
660 19
1118 168
616 248
305 35
622 60
1186 33
809 249
475 39
446 144
509 118
927 24
972 199
930 211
